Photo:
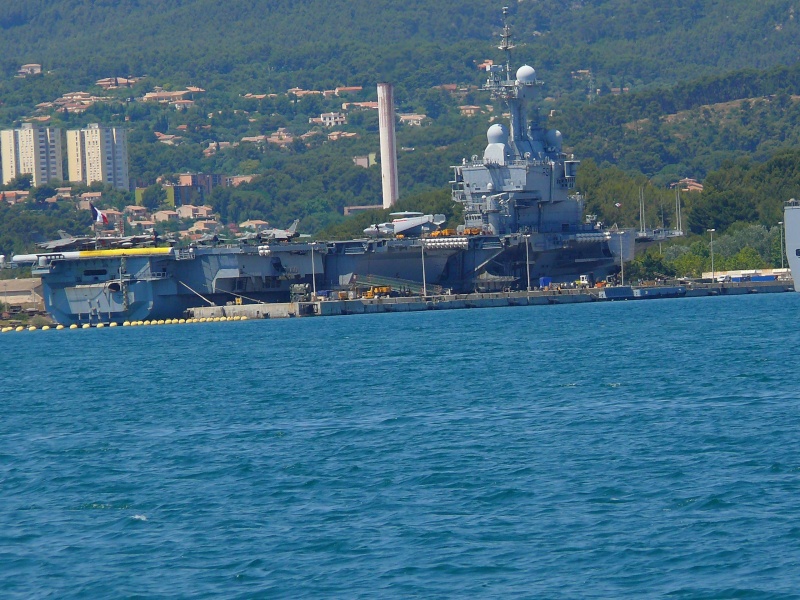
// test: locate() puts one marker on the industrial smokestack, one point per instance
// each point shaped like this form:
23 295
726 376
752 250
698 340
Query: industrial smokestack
388 144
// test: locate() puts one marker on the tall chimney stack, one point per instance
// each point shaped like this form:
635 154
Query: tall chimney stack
388 144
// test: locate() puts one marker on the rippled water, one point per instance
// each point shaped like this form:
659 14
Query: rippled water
637 449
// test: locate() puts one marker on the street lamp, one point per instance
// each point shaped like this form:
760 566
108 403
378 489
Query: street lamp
711 231
528 260
424 283
781 224
313 272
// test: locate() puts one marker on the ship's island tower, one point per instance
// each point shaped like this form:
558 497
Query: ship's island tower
524 182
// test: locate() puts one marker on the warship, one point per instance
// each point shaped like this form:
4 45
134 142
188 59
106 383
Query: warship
523 226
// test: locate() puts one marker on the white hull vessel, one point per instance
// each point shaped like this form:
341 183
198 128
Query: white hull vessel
791 220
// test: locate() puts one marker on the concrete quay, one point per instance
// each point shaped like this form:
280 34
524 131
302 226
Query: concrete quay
486 300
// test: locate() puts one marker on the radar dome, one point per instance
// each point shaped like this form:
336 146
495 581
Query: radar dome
526 74
553 138
497 134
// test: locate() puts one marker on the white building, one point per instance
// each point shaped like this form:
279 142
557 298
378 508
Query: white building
98 154
34 150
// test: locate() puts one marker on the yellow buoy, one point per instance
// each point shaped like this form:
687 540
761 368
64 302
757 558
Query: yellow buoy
46 328
126 323
113 324
5 329
181 321
73 326
223 318
20 328
32 328
160 322
86 326
244 318
59 327
100 325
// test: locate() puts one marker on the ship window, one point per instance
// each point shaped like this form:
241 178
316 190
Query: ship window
95 272
797 252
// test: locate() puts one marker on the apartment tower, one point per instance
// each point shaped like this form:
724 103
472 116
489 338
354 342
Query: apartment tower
32 150
98 154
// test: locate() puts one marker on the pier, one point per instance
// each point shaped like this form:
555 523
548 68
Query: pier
320 307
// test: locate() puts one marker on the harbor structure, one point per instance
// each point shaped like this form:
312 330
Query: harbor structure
32 150
98 153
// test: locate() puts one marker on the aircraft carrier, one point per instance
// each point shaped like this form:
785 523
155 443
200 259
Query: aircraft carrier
522 221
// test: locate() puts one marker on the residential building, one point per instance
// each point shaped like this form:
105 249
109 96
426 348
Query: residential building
114 216
359 105
365 161
412 119
98 153
335 136
188 212
469 110
329 119
205 226
31 150
237 180
14 196
347 89
30 69
202 182
136 213
165 215
687 184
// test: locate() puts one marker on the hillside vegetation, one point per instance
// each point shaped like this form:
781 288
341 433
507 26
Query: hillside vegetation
709 91
275 44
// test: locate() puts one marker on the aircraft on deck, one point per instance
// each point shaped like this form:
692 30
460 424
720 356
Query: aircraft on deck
407 223
271 234
68 242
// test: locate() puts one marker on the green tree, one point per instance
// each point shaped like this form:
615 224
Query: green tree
153 196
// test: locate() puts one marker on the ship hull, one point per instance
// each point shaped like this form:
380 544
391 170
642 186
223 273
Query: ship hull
114 287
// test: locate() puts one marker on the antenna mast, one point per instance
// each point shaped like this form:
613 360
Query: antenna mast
505 45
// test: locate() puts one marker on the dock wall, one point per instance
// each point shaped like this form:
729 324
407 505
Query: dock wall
487 300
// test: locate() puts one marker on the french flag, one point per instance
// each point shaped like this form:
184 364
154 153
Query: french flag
98 216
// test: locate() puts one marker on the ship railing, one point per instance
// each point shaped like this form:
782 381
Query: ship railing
534 162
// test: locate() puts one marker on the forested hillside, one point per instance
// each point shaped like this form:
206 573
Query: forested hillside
274 44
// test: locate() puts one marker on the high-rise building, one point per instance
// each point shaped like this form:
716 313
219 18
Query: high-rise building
98 153
32 150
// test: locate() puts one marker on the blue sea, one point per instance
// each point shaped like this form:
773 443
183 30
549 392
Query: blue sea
609 450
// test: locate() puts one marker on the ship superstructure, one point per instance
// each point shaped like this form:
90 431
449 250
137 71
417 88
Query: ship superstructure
523 182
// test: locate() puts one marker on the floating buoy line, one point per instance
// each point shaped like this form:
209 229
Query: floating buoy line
124 324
